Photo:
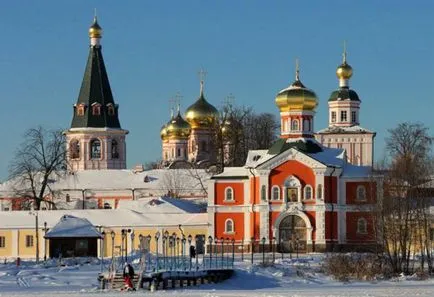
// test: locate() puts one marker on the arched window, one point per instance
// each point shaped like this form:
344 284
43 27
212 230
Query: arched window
294 125
362 226
229 194
178 152
264 193
96 109
361 193
80 109
95 149
229 226
110 109
115 149
74 149
308 192
276 193
319 192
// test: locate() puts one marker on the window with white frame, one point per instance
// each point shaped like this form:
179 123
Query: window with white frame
319 192
276 192
229 194
362 227
95 149
294 125
2 241
333 116
361 193
264 193
353 117
229 226
29 240
307 192
343 115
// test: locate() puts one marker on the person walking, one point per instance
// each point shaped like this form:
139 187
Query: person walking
128 275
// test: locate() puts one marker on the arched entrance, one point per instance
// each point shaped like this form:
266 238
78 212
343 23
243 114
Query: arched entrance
292 234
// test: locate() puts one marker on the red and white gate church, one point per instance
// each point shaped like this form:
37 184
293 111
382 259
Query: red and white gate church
298 194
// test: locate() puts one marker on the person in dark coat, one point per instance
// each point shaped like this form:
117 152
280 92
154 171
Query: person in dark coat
128 274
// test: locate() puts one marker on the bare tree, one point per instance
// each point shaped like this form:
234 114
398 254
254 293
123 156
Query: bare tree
404 218
38 160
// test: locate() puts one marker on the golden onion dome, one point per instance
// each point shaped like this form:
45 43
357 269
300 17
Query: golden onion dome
344 71
296 97
178 128
163 132
95 31
201 114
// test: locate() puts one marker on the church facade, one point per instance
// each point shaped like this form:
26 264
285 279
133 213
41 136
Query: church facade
298 195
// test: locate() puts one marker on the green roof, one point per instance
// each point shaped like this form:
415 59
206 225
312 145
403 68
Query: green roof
344 94
95 88
281 145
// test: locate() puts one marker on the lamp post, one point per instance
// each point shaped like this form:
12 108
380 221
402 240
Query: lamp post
273 246
148 240
215 250
102 250
252 242
177 251
183 252
189 238
196 238
35 213
263 250
165 234
157 236
133 236
112 234
222 247
45 241
210 250
233 252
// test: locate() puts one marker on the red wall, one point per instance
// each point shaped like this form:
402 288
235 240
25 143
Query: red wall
352 234
279 174
220 193
331 218
333 181
219 226
351 192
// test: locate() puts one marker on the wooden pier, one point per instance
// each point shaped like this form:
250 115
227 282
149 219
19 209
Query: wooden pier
167 279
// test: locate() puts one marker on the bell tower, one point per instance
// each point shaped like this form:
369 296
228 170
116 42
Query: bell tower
344 130
95 139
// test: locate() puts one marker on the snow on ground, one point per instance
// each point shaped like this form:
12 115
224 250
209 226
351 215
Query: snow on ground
288 277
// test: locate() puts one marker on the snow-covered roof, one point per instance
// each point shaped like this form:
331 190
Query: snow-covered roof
146 213
118 179
330 156
349 130
71 226
236 172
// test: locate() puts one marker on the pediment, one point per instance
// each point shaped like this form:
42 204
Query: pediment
291 154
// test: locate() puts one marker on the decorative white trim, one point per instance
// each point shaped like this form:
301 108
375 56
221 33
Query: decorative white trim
226 226
297 212
365 226
358 195
306 188
232 195
272 198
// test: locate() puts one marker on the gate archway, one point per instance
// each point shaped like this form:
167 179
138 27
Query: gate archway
292 234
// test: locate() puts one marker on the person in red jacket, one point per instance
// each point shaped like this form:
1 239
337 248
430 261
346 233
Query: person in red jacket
128 274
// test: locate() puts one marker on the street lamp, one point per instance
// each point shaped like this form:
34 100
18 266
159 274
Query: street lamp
133 236
102 249
177 251
263 250
222 247
210 251
112 235
45 241
233 251
252 244
215 250
296 245
148 244
196 239
189 250
183 252
157 236
35 213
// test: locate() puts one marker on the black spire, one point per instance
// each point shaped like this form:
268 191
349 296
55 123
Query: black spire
95 91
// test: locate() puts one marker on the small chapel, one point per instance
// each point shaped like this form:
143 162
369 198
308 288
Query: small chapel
304 193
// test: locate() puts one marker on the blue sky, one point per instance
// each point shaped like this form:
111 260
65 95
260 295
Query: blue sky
154 49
